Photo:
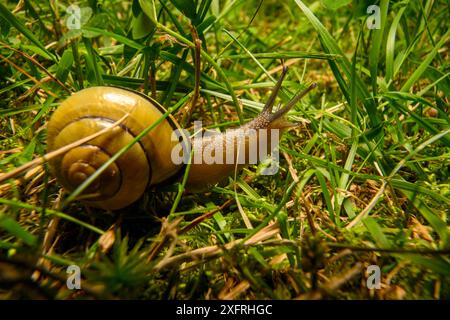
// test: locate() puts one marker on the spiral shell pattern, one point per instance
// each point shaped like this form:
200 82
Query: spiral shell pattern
125 180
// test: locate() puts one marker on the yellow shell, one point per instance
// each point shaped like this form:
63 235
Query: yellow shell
146 163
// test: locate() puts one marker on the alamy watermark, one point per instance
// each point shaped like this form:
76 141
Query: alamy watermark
77 17
374 19
73 281
373 273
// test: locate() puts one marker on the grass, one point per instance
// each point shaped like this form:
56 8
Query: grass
363 181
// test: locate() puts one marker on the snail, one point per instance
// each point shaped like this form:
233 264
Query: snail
150 161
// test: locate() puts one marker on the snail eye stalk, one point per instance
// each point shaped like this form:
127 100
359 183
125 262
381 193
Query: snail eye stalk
269 104
293 101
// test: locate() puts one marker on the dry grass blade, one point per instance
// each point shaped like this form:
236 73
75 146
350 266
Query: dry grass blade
212 251
58 152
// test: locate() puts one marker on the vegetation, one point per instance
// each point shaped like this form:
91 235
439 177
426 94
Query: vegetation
362 181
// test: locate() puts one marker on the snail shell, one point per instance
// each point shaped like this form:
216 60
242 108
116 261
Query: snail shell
125 180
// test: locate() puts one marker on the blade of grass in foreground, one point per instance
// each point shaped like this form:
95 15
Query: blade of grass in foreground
14 228
377 44
390 45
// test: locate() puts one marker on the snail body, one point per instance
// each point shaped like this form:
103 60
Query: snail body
248 144
148 162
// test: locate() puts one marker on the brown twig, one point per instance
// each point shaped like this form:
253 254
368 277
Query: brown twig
168 230
26 73
197 63
204 216
38 64
312 226
58 152
212 251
